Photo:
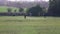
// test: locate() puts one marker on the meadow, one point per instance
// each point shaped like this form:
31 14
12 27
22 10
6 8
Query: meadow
30 25
5 8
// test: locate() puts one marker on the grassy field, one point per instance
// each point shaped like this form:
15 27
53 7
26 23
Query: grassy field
31 25
4 9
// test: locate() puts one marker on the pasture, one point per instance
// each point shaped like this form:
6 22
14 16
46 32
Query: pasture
31 25
4 9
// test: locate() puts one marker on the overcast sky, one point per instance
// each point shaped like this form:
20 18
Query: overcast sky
29 0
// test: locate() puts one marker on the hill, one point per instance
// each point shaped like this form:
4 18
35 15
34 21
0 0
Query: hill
23 4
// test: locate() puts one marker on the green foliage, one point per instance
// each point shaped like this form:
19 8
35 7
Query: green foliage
54 8
21 9
25 10
35 10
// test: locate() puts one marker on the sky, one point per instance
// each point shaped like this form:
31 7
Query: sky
29 0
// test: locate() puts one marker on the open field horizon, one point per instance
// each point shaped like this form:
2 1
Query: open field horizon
30 25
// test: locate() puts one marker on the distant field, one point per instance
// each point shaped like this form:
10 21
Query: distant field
4 9
31 25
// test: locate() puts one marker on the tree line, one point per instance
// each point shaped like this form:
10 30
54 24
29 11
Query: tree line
53 10
33 11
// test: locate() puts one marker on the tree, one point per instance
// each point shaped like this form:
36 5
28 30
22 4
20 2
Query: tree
54 8
35 10
9 9
25 10
21 9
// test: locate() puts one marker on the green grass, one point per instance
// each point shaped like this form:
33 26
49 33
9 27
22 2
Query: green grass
31 25
4 9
